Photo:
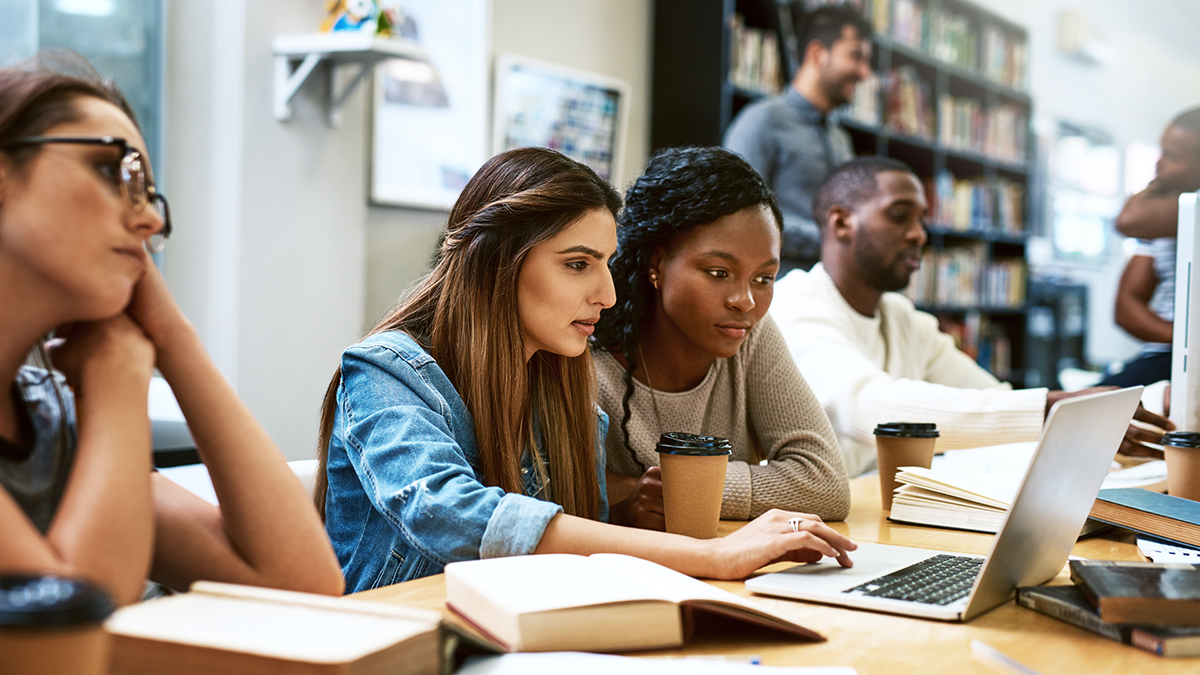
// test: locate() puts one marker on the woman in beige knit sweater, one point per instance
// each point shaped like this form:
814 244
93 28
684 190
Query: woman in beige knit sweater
689 346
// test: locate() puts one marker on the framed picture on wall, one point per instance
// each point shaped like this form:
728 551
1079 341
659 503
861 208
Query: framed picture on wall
429 129
580 114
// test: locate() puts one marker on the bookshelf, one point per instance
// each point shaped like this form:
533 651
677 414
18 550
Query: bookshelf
947 97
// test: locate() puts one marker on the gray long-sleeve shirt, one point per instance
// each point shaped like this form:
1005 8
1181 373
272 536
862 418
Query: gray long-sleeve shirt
794 147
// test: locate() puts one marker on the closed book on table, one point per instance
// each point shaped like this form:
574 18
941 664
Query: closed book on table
598 603
1141 592
1163 516
1067 603
226 628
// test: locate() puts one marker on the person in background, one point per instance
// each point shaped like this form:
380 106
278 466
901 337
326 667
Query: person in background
78 210
790 139
1145 301
869 355
689 346
465 424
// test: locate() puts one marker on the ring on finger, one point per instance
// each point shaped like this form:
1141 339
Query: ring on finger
795 523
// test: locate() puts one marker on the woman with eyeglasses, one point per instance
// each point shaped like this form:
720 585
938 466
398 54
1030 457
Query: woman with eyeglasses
79 212
465 424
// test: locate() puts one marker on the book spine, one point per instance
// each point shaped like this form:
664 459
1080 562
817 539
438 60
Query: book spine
1084 587
1147 641
1076 616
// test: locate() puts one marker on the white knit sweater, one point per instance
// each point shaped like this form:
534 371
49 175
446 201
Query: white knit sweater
894 367
756 399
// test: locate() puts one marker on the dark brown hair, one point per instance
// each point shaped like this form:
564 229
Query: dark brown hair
464 311
39 93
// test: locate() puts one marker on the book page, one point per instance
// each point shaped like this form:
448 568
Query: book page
666 582
277 630
537 583
578 663
991 475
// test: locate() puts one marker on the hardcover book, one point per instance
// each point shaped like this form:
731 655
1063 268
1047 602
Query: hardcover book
598 603
1067 603
1140 592
226 628
1163 516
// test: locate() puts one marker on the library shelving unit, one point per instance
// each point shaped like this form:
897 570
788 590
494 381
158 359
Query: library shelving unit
946 97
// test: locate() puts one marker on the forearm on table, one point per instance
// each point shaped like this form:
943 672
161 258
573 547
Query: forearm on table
103 528
792 482
569 534
267 515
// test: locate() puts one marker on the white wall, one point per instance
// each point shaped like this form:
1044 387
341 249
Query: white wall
609 37
1156 74
278 259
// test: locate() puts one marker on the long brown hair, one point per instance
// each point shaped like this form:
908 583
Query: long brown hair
464 311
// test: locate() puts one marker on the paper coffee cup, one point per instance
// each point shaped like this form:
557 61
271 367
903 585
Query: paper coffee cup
1182 452
52 624
693 479
900 444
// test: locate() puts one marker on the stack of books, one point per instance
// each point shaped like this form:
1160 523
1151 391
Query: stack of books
1151 606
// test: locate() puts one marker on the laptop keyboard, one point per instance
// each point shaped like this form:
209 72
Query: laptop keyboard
938 580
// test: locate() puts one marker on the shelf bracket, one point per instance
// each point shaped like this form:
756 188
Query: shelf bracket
337 100
287 81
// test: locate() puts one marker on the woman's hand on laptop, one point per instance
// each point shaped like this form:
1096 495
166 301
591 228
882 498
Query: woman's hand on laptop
771 538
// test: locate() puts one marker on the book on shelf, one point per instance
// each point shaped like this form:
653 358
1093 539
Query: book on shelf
1140 592
973 489
1005 57
1067 603
601 603
864 107
229 628
754 58
909 107
1173 519
976 204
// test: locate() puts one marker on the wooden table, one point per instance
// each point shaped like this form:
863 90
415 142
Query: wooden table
882 643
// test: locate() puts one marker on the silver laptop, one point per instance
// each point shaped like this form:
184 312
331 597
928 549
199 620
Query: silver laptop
1074 452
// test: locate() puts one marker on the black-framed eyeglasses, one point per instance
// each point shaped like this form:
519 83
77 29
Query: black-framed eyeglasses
135 184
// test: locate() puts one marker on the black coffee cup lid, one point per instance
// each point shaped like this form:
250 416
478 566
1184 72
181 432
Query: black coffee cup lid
1182 439
907 430
679 443
43 601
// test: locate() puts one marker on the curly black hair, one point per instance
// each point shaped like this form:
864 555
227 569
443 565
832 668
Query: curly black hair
680 189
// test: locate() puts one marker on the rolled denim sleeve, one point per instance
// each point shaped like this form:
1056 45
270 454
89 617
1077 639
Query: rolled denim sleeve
403 441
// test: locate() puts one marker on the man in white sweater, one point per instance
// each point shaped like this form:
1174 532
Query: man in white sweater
867 353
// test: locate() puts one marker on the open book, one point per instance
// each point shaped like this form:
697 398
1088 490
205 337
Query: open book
226 628
599 603
972 489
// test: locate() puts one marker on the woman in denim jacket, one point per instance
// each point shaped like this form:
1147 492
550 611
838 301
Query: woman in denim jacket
465 424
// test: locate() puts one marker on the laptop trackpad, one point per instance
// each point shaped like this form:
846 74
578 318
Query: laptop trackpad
870 561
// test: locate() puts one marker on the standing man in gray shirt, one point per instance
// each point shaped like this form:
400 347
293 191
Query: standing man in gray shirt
790 139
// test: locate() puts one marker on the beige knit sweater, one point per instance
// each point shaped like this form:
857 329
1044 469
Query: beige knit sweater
757 400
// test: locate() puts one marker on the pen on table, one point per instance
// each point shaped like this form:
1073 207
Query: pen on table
983 649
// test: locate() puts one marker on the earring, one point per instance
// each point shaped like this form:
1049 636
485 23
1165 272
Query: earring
654 279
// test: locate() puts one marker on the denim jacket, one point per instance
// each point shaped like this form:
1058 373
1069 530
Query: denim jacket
405 491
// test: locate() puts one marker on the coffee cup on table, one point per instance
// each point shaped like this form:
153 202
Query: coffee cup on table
693 481
52 624
900 444
1181 449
